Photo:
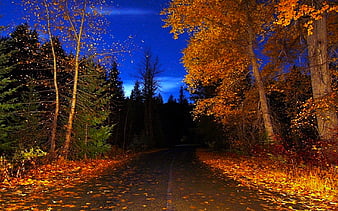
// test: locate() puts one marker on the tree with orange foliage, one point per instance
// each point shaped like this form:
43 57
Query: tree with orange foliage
221 50
314 15
79 24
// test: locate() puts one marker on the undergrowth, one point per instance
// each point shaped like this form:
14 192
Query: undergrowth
288 184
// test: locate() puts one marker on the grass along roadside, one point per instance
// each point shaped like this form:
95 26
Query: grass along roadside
314 188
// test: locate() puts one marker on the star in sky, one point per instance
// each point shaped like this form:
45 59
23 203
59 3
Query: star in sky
137 25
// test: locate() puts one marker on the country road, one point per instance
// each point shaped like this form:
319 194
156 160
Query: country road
170 179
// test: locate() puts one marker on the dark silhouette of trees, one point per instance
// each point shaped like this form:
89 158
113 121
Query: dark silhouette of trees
116 104
8 102
150 69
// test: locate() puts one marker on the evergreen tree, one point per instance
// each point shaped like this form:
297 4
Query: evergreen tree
182 99
134 118
34 116
171 99
115 87
32 77
148 73
176 122
8 101
136 94
26 56
116 105
90 131
159 99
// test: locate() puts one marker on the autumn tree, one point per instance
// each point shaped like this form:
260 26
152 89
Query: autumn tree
78 23
55 81
287 60
55 62
287 101
221 50
46 15
313 15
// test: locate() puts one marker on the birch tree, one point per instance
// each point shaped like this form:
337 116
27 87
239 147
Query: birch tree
79 25
83 21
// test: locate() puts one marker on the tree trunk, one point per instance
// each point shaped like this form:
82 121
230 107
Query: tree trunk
148 121
72 111
57 99
262 94
86 141
71 116
321 79
57 106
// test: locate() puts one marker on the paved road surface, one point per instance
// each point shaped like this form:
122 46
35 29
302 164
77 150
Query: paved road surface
166 180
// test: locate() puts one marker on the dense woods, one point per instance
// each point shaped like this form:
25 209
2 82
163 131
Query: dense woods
265 71
104 116
262 77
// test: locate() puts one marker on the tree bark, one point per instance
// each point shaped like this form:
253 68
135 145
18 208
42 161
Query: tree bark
71 116
262 93
72 110
57 99
57 105
321 78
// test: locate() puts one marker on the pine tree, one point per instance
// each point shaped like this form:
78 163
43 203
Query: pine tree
148 73
116 104
171 99
115 88
136 94
32 77
26 56
8 101
90 131
134 117
182 99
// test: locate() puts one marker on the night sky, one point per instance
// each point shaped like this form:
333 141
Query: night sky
137 25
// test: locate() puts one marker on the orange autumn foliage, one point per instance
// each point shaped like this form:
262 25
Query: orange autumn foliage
314 188
61 173
310 11
314 15
217 54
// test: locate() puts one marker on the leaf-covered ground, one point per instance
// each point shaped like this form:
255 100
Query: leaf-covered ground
46 183
50 177
286 186
289 186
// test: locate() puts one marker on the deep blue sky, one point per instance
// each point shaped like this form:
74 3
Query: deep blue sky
137 25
